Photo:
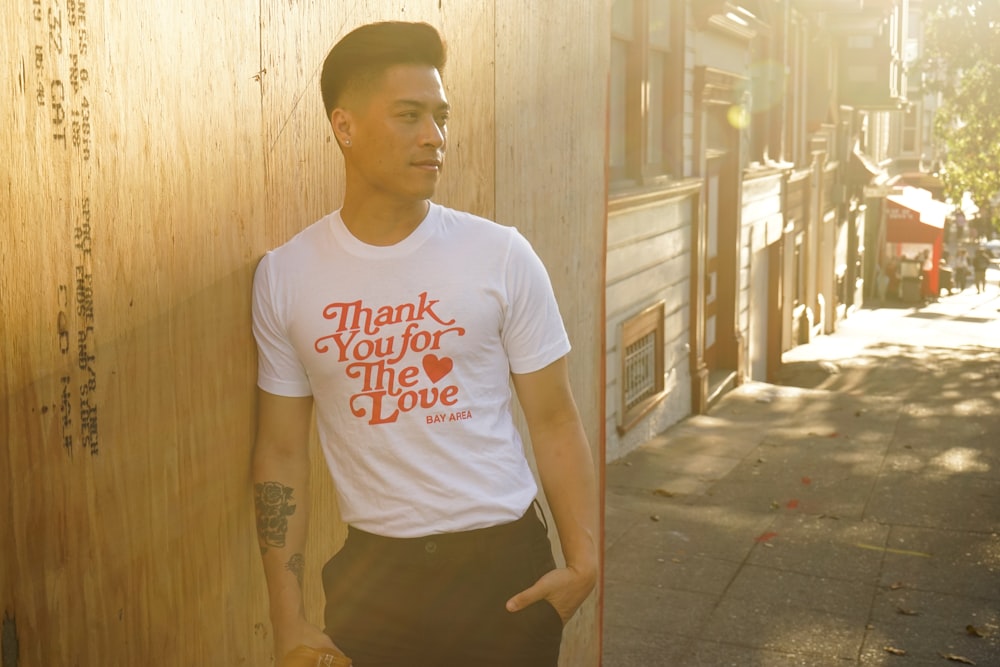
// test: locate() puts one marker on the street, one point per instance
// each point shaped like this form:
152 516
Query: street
847 516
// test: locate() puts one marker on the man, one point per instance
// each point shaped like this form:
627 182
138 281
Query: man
404 322
961 269
980 262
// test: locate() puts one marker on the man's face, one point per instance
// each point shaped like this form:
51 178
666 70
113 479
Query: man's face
398 132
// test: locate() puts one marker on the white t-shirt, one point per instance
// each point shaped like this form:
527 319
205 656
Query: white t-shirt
407 351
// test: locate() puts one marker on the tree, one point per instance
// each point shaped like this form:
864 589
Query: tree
962 62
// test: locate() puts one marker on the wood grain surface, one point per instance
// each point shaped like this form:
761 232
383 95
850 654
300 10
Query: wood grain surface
152 152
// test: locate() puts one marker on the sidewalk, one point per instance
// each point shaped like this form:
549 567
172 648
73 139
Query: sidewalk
850 516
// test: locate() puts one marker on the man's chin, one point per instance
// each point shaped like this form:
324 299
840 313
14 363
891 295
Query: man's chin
425 192
414 196
414 191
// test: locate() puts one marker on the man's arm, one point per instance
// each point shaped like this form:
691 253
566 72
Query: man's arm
566 469
280 476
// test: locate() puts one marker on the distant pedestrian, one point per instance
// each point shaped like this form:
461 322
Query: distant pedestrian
961 269
979 265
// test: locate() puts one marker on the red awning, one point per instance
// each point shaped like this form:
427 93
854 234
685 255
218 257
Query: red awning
915 217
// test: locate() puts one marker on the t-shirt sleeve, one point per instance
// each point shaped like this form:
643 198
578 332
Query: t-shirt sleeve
533 333
279 370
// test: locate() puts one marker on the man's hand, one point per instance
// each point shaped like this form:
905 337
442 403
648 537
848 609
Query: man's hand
291 635
564 588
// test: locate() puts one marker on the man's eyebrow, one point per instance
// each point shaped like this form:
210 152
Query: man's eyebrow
444 106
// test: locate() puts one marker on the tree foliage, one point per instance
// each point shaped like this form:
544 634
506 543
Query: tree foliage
962 62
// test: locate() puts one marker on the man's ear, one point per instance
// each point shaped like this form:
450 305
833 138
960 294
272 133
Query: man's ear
342 124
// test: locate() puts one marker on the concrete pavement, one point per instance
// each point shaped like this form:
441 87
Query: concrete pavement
848 516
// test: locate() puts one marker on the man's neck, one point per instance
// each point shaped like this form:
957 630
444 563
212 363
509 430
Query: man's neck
379 222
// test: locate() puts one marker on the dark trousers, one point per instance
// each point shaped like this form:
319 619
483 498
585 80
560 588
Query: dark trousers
440 601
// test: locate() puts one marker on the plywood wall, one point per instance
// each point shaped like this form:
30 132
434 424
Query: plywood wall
551 98
151 152
131 146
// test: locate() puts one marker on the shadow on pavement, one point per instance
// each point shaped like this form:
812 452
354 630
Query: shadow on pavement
847 515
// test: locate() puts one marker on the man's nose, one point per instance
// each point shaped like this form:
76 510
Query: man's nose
433 134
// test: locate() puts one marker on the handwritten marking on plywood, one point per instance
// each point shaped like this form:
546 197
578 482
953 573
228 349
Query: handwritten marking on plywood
125 355
58 49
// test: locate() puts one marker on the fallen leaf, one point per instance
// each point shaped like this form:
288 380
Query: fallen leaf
792 504
907 612
895 651
834 434
973 631
654 517
775 505
956 658
896 586
806 481
765 537
664 493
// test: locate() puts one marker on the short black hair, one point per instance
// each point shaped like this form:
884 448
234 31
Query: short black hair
366 52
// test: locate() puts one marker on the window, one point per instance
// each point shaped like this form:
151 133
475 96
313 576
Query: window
767 99
795 138
799 265
911 118
622 39
647 90
642 366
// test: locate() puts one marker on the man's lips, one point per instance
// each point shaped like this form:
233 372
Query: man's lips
428 164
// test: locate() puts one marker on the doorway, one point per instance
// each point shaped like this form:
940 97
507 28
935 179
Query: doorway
717 344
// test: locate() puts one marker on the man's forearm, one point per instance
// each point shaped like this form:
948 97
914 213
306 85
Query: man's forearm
564 461
567 474
281 502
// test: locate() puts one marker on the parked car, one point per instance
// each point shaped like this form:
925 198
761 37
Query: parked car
993 248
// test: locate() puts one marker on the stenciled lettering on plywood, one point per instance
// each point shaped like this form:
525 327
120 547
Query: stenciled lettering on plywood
63 98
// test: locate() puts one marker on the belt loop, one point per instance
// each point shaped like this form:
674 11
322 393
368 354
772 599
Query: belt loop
541 513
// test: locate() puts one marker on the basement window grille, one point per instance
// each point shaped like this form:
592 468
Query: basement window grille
640 370
642 365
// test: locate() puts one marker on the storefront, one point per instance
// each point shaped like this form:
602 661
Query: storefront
913 236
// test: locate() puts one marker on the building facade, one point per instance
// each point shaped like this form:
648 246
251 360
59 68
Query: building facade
748 142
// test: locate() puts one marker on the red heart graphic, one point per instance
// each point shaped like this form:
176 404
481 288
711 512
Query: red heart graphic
436 368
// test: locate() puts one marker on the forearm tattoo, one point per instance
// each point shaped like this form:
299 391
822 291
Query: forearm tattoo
297 566
273 502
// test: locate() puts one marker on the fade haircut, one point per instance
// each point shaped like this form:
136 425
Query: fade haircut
365 53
